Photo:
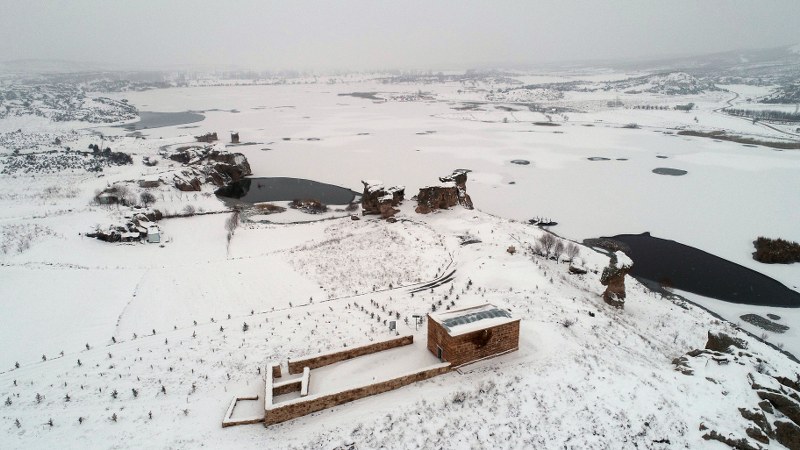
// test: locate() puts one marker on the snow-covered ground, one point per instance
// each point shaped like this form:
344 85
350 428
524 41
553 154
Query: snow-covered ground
153 335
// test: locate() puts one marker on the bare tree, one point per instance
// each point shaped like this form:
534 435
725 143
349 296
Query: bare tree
545 244
558 249
572 251
147 198
124 194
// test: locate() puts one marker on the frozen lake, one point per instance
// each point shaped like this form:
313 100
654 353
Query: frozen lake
731 194
150 119
255 190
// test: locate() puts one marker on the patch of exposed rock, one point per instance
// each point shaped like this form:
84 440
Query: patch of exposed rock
613 278
206 164
378 199
268 208
787 434
451 192
208 137
721 342
134 228
774 410
309 206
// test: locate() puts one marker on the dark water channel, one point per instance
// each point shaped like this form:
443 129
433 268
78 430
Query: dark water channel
690 269
150 119
273 189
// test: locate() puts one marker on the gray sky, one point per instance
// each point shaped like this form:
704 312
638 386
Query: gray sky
298 34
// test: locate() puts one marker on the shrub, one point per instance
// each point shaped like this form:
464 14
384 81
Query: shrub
778 251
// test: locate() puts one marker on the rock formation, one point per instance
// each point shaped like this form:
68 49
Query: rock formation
234 138
134 228
452 191
613 278
776 413
308 205
208 137
721 342
380 200
207 165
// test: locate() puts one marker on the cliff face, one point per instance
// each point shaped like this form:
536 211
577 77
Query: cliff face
432 198
380 200
452 191
207 165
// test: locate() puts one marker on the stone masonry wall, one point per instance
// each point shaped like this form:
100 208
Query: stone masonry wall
286 388
282 413
468 347
296 366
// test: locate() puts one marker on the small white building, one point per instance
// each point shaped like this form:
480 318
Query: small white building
153 234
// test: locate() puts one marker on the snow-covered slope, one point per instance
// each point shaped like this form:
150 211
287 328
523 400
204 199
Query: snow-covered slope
586 374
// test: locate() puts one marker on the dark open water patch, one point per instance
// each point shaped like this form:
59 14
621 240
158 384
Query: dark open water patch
690 269
597 158
669 171
274 189
150 119
521 162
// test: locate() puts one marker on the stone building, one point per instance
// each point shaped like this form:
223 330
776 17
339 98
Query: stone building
465 335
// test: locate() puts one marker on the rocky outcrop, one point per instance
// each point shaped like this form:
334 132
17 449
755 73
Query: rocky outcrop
787 434
459 178
774 417
431 198
721 342
207 164
378 199
738 444
452 192
784 404
208 137
133 229
187 180
309 206
613 278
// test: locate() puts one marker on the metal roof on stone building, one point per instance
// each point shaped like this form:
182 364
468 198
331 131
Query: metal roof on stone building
473 317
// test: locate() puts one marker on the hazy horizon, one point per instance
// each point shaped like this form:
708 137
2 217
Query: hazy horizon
364 35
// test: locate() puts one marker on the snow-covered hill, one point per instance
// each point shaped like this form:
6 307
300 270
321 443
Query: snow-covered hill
586 374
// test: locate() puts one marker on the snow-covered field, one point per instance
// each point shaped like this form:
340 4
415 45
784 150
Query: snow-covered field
128 345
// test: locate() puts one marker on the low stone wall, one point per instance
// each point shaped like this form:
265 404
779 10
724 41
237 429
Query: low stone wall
297 408
296 366
285 388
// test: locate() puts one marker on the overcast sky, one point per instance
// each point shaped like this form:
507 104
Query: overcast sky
297 34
